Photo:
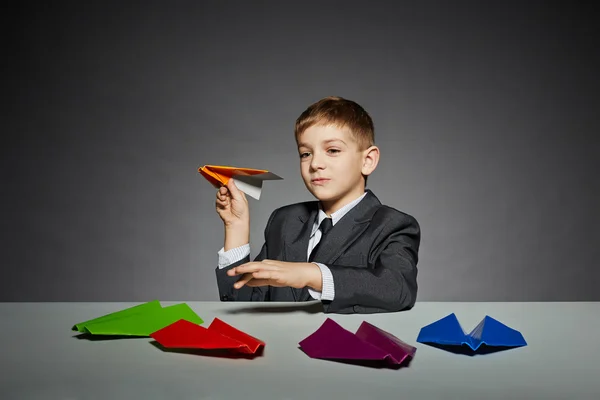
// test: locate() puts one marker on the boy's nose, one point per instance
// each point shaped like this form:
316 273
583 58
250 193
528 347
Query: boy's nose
316 162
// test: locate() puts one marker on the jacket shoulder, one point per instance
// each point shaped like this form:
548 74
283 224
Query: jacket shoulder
394 216
282 213
296 208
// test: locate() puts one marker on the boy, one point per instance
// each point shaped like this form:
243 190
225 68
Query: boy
346 249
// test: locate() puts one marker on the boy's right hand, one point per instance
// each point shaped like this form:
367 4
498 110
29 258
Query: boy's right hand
232 205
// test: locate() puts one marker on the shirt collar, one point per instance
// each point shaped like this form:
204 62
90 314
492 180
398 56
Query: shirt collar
336 216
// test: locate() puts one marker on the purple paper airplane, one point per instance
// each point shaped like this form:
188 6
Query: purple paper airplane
333 342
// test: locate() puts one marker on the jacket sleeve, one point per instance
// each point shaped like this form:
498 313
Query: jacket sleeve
388 282
225 282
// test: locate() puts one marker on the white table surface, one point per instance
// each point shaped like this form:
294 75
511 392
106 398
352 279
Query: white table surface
41 358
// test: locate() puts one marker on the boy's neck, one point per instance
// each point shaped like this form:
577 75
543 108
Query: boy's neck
331 207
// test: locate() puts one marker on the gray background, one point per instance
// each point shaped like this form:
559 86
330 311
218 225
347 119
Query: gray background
486 114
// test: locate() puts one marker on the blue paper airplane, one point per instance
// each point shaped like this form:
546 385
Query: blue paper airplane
448 332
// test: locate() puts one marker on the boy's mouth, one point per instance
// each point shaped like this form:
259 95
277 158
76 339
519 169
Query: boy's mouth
318 181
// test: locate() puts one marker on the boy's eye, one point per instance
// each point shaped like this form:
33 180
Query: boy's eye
304 155
333 151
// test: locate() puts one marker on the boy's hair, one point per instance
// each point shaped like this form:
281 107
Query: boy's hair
341 113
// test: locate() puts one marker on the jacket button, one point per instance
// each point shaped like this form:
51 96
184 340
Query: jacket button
224 297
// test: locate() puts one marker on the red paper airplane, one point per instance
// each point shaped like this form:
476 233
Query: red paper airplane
219 335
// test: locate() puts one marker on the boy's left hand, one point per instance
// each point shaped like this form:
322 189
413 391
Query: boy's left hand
278 273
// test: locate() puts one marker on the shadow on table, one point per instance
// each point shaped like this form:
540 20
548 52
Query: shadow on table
374 364
218 353
467 351
310 308
100 338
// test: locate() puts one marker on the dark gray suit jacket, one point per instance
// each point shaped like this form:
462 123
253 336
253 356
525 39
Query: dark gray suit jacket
372 253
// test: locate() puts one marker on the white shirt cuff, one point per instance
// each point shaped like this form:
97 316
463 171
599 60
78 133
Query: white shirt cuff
231 256
328 290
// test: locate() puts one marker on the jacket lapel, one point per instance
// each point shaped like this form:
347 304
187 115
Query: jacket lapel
296 250
347 230
341 236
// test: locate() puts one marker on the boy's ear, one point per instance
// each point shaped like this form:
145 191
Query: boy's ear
370 160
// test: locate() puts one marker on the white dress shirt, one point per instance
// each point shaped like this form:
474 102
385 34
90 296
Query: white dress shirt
231 256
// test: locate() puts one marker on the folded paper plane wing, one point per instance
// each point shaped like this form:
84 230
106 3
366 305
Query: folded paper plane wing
150 306
490 332
219 335
248 180
370 343
140 320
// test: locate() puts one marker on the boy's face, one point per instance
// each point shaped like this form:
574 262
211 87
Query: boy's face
332 165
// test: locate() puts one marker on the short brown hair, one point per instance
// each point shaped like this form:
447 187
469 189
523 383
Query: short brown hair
341 113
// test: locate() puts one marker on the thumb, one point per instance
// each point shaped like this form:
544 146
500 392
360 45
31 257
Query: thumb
233 189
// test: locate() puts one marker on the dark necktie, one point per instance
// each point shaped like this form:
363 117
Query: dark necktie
325 227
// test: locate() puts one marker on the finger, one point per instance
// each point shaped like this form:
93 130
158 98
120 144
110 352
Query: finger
268 275
222 203
243 269
240 271
242 281
223 196
261 282
236 194
252 267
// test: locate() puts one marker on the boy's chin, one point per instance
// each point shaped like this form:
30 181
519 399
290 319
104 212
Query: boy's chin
323 194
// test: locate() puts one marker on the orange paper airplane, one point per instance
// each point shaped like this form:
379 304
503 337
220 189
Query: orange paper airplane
248 180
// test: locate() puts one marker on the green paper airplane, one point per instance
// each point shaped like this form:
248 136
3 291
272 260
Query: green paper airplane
140 320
